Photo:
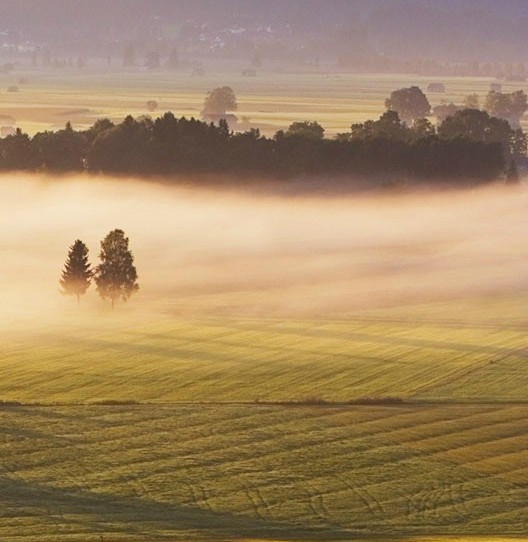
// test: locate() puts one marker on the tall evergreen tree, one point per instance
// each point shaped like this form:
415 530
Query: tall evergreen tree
116 275
76 275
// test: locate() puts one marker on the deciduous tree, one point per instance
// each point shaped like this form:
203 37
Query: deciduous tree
410 104
478 126
116 275
220 100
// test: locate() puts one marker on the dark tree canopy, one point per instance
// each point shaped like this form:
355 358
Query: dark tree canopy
116 275
466 147
388 125
219 101
76 275
478 126
410 104
63 150
306 129
18 152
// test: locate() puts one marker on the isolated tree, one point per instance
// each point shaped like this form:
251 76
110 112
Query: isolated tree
116 275
220 100
410 104
76 275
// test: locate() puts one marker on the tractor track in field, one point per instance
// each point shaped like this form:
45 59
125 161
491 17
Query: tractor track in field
316 502
371 503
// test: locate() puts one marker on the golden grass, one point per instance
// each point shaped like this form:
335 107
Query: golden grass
158 359
224 471
271 101
252 472
455 470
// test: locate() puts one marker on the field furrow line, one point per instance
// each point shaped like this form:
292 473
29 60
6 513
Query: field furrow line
413 342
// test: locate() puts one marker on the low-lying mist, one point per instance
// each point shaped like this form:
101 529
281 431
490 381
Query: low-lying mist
203 252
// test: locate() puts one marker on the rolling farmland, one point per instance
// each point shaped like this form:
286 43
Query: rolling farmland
203 421
251 360
204 454
270 101
150 472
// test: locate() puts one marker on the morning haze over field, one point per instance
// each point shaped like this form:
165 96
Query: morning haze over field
264 270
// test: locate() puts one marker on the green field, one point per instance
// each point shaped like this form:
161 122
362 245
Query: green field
218 405
270 101
262 472
199 452
161 359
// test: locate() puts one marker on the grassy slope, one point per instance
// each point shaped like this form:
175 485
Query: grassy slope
248 471
150 472
143 472
144 358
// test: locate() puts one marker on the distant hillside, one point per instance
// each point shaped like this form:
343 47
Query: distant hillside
451 30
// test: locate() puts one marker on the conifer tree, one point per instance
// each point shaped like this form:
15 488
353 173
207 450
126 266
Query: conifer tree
116 275
76 275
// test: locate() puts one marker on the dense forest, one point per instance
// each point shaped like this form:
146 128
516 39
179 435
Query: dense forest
468 147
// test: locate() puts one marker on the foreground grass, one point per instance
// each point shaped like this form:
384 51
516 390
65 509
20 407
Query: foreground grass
152 472
199 458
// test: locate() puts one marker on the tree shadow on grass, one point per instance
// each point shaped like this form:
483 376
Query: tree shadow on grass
76 514
60 511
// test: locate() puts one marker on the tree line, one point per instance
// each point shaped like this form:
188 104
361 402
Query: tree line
469 145
115 277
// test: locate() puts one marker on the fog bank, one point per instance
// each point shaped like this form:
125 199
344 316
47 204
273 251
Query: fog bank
203 252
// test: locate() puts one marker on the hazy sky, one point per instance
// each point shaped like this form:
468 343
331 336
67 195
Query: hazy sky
485 30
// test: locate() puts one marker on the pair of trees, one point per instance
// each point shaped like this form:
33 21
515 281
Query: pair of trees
115 277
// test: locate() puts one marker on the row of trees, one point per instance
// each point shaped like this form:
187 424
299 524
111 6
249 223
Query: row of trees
115 277
411 104
469 145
